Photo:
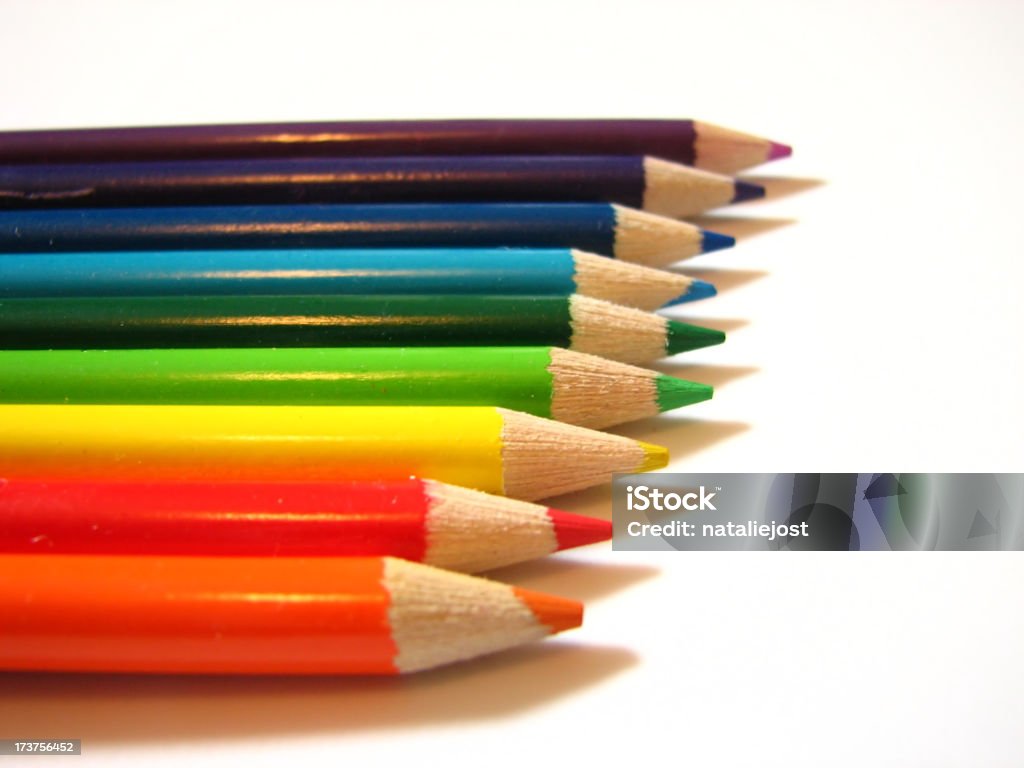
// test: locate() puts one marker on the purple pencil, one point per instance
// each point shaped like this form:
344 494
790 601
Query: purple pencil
683 141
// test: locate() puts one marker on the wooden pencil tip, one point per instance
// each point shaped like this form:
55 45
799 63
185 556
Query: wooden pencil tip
655 457
558 613
578 530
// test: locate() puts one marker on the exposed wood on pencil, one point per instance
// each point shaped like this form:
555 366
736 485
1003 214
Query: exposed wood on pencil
529 443
671 189
656 241
632 285
600 393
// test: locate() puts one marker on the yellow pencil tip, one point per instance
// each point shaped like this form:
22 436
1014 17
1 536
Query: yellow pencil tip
655 457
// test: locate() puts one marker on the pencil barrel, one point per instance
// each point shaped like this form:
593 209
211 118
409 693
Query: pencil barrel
511 377
589 227
609 179
669 139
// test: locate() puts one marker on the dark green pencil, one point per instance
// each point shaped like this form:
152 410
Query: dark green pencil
578 323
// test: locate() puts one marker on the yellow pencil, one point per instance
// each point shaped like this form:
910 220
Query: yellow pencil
490 449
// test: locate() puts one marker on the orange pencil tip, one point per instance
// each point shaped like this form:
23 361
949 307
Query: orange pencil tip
558 613
578 530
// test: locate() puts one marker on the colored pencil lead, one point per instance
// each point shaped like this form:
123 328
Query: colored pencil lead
683 337
695 291
677 393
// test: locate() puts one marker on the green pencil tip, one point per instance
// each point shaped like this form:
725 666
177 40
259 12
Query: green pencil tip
675 393
683 337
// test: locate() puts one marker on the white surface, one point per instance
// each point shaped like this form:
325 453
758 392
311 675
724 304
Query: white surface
877 329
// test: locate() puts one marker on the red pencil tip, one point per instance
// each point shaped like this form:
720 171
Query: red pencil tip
776 150
576 530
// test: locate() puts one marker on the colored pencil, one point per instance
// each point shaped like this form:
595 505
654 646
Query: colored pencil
489 449
420 520
259 615
609 230
647 183
551 272
576 322
684 141
546 381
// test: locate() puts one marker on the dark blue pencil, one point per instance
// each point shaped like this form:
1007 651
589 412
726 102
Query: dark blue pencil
647 183
522 272
609 230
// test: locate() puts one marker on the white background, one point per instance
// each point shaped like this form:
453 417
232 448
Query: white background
876 321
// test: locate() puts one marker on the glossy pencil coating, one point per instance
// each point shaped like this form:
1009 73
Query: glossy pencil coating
684 141
609 230
576 322
258 615
420 520
655 185
553 383
488 449
532 272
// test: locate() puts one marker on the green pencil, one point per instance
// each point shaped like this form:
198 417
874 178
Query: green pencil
545 381
579 323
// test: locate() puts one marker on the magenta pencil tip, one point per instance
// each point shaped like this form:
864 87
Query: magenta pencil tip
776 150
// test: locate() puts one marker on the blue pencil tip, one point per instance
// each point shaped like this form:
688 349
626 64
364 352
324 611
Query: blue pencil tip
699 289
744 190
712 241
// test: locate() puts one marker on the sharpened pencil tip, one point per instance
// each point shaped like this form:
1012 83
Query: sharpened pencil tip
675 393
776 150
578 530
655 457
683 337
558 613
744 190
713 241
696 291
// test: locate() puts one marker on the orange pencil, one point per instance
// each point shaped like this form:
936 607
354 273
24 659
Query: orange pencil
372 616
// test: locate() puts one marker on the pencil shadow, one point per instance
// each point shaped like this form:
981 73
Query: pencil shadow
578 580
726 324
781 186
740 227
715 375
682 435
723 279
137 708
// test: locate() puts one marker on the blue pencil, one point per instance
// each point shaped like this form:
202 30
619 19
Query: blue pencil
647 183
537 272
609 230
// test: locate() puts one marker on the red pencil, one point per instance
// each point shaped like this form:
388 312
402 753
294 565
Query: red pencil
420 520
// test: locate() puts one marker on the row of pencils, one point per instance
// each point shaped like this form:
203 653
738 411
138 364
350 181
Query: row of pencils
269 392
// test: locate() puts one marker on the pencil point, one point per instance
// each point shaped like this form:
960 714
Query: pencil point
675 393
558 613
744 190
713 241
578 530
696 291
776 150
683 337
655 457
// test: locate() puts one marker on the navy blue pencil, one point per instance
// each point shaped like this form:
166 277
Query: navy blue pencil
646 183
609 230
